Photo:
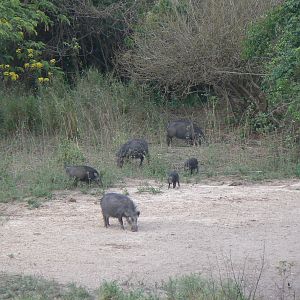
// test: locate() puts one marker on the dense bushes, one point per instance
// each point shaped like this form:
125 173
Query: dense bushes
183 45
98 103
274 43
180 47
77 33
20 49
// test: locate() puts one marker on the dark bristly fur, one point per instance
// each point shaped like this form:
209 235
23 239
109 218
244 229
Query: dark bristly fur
135 148
119 206
83 173
173 178
191 165
185 130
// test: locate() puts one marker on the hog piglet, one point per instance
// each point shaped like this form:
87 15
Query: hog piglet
191 165
173 178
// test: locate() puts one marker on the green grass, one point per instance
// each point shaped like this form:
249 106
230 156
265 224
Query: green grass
88 124
195 287
33 166
187 287
149 189
18 287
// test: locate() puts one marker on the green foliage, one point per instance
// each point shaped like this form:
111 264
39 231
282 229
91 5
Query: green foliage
174 48
36 288
18 111
112 291
34 203
8 187
18 21
182 288
275 41
297 170
74 112
195 287
21 177
149 189
69 153
157 168
20 49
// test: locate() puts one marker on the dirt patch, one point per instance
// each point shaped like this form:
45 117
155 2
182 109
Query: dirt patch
206 228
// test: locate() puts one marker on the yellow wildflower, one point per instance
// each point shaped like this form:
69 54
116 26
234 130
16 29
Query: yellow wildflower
30 51
33 65
7 66
11 73
50 74
39 65
30 55
18 50
52 61
26 65
1 66
46 79
6 73
14 76
40 79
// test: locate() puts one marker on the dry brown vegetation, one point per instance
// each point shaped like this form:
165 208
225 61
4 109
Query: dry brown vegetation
195 44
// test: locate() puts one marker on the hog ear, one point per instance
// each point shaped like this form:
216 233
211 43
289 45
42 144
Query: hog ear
138 213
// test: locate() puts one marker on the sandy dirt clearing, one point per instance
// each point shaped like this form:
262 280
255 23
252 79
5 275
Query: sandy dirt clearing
195 228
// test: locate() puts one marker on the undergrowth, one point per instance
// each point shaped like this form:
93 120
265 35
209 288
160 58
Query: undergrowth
88 124
181 288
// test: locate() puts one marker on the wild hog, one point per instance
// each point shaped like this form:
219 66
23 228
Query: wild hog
118 206
173 178
191 165
136 148
185 130
83 173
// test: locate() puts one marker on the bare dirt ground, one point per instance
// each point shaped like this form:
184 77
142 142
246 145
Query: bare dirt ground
205 227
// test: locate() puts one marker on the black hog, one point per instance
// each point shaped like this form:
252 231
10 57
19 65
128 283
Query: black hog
191 165
83 173
136 148
173 178
118 206
185 130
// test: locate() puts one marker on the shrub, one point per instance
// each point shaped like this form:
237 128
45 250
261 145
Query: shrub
274 43
21 51
184 45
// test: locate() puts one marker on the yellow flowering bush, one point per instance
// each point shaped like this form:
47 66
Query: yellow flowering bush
34 69
14 76
39 65
11 75
21 48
